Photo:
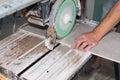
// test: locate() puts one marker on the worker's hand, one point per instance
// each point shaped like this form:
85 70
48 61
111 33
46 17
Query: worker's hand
86 41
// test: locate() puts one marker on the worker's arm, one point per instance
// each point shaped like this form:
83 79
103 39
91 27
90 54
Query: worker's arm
87 40
110 20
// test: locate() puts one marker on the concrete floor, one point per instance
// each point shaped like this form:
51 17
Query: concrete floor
106 72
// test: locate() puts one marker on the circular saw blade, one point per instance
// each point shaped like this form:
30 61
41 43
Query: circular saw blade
64 19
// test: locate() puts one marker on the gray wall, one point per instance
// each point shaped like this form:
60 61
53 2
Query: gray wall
90 8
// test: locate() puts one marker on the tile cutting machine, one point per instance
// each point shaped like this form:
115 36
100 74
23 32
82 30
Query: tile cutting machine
58 15
21 60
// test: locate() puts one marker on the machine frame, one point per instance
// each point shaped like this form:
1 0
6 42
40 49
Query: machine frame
44 8
45 13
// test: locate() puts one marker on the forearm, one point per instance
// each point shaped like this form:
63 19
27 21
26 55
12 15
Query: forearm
110 20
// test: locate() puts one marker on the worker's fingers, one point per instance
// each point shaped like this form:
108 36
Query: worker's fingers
74 44
88 47
77 43
83 45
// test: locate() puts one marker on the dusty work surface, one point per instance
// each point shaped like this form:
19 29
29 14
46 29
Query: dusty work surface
24 56
108 48
8 7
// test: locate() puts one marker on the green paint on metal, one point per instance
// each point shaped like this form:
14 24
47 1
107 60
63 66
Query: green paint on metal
67 10
98 8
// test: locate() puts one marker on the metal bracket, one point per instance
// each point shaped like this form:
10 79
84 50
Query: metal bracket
44 10
51 38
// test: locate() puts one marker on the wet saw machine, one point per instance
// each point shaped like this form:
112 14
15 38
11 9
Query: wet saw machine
58 15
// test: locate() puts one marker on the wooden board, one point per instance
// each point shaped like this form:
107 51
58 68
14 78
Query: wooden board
8 7
59 64
19 51
24 56
14 50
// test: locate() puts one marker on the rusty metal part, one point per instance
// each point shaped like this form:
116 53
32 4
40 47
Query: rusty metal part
8 75
36 21
24 12
38 14
51 38
2 77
